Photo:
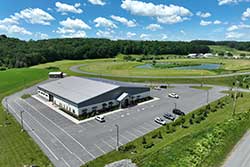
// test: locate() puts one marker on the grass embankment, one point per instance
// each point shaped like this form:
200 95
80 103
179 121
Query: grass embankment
168 144
201 87
225 49
16 148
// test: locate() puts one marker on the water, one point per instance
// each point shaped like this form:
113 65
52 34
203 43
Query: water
195 67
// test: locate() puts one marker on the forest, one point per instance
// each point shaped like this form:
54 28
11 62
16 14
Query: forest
15 53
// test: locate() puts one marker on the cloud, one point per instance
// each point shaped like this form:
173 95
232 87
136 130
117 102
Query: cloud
103 22
164 37
8 21
130 34
234 35
246 14
183 32
65 8
40 35
227 2
14 29
105 34
205 23
34 16
164 14
238 27
124 21
72 28
97 2
203 14
144 36
74 24
217 22
153 27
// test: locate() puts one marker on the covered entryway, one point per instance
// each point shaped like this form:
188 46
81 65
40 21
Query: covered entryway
124 100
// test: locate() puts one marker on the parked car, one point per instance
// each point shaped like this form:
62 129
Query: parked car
100 118
173 95
157 88
169 116
178 112
160 121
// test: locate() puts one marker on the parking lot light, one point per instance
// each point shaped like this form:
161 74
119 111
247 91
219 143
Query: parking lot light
117 137
21 116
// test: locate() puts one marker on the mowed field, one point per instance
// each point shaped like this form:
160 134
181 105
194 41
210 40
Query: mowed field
225 49
18 148
118 67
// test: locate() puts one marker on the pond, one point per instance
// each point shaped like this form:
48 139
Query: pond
180 67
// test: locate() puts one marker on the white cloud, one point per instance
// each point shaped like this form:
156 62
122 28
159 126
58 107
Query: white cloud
234 35
74 24
41 35
227 2
8 21
238 27
14 29
164 37
183 32
153 27
144 36
97 2
164 14
103 22
77 34
205 23
246 14
124 21
105 34
34 16
130 34
203 14
65 8
217 22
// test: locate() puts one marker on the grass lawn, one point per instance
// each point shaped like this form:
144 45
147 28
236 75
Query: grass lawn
170 134
201 87
219 48
16 148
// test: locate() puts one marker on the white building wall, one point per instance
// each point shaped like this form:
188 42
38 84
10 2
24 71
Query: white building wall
66 106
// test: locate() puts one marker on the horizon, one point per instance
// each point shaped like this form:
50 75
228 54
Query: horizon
173 20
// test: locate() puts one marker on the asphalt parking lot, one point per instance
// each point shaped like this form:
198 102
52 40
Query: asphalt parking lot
71 145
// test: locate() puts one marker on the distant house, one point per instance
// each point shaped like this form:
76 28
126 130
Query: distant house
206 55
56 74
236 57
192 55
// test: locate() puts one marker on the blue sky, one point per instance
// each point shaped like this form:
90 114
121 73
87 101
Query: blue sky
126 19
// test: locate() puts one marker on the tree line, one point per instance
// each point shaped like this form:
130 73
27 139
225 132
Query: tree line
15 53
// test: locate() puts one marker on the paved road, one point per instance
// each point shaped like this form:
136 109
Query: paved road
77 70
240 156
71 145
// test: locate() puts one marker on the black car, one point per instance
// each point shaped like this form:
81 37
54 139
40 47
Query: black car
178 112
169 116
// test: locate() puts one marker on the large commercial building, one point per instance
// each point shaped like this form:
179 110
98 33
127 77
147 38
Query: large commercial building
81 96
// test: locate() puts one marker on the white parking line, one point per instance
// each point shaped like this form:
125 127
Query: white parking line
51 152
132 134
125 138
65 162
138 131
100 149
82 161
60 129
108 144
146 129
116 140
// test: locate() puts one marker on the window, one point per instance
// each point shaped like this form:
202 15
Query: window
94 108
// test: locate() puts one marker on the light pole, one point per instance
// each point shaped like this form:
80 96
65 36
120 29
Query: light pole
117 137
21 116
235 97
207 96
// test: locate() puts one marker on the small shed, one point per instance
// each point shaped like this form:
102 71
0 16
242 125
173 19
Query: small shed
56 75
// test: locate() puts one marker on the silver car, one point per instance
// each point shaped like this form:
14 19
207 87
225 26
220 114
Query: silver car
160 121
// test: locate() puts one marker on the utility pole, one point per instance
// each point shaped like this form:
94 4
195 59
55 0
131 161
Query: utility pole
117 137
21 116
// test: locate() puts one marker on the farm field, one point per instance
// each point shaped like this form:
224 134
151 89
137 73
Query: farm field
225 49
18 149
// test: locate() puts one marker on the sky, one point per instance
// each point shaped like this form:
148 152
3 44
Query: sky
166 20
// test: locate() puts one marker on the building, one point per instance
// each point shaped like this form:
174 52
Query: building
56 74
81 96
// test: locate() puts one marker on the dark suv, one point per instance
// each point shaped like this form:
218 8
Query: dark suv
178 112
169 116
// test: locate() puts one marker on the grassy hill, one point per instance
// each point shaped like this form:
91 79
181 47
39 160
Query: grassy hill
225 49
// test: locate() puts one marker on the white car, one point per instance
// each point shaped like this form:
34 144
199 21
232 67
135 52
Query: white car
173 95
160 121
100 118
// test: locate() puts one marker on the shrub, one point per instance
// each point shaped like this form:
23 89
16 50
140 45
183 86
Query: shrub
191 122
154 136
159 135
193 116
127 148
144 141
149 145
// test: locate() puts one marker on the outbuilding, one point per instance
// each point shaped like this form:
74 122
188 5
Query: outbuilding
81 96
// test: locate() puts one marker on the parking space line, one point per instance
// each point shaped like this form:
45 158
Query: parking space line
60 129
146 129
65 162
138 131
100 149
116 140
132 134
108 144
52 153
125 137
50 133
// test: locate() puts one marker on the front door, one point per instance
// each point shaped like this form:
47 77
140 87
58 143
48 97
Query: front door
51 98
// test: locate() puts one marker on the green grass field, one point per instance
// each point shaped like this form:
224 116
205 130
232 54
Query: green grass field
157 155
225 49
18 149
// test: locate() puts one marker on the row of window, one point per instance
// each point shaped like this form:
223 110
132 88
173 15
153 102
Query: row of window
41 92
